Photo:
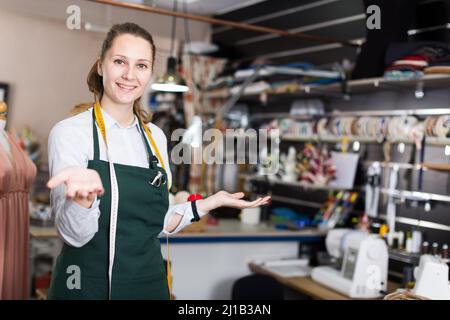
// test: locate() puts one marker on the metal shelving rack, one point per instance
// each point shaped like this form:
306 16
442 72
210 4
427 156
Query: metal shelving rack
415 195
433 81
403 256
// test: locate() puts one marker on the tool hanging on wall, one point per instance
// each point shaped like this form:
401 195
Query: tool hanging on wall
391 207
373 181
422 157
387 147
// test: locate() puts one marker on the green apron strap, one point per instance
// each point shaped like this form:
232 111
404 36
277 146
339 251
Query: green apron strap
95 134
152 159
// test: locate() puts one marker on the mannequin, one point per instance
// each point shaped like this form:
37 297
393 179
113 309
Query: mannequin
17 173
6 170
3 139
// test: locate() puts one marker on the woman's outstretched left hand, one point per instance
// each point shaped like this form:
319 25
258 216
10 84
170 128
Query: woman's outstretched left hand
226 199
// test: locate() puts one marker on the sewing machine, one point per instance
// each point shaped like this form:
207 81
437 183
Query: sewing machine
432 278
363 273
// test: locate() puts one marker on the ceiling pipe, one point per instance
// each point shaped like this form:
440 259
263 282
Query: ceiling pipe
221 22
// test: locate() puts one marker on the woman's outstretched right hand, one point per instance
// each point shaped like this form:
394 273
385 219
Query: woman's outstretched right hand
83 185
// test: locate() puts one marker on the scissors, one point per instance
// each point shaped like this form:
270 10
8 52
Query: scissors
158 180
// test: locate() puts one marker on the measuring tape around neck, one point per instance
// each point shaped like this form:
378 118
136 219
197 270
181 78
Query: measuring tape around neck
115 196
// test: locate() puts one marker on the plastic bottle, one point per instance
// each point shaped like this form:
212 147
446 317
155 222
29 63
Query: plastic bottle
444 251
425 247
409 243
435 249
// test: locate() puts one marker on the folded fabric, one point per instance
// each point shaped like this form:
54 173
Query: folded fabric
415 60
397 50
398 75
404 67
421 58
439 66
437 69
253 88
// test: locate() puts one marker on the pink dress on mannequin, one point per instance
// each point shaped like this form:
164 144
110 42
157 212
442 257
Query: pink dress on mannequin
17 173
6 171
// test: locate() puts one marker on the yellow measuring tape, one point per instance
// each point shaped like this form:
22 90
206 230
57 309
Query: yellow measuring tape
101 125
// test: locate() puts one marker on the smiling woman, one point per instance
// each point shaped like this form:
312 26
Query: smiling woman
110 182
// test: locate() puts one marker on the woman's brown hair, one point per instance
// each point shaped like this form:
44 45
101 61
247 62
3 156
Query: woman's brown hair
95 81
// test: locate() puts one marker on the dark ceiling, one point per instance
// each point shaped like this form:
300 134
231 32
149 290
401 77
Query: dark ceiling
336 19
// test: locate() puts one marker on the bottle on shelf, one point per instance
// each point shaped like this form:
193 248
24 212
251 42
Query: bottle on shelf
444 252
409 243
435 249
425 247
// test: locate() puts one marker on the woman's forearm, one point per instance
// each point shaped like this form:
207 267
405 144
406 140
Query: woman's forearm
204 206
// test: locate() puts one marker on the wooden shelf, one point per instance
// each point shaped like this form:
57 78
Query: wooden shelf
273 181
335 139
437 166
376 84
444 167
415 195
360 86
403 256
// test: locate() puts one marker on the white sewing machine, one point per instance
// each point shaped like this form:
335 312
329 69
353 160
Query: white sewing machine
364 265
432 278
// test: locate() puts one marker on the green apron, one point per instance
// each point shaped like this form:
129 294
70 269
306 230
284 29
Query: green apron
138 269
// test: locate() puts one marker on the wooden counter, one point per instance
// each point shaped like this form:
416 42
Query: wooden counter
43 232
232 230
228 230
307 286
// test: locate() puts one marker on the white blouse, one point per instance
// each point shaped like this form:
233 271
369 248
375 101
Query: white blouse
71 143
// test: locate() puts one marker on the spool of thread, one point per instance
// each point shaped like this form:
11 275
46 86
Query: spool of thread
383 230
3 109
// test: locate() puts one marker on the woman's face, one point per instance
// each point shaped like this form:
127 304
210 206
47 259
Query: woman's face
126 68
